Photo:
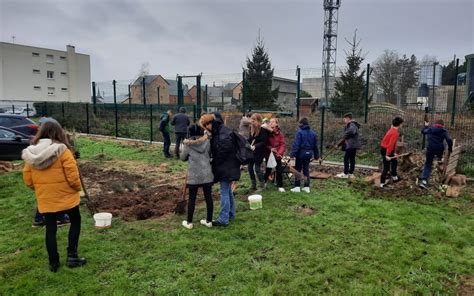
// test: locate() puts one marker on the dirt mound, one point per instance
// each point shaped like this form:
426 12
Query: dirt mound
132 197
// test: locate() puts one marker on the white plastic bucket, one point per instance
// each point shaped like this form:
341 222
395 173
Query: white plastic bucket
103 220
255 201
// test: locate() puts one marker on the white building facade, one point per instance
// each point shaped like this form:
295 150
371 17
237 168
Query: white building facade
32 74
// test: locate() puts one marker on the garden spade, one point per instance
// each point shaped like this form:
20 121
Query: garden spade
182 204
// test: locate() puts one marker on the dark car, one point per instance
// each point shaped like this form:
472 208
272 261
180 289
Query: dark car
12 143
19 123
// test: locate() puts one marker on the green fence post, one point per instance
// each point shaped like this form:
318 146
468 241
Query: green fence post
427 110
298 92
13 109
205 98
62 112
116 108
194 113
453 111
366 99
222 98
144 90
321 144
198 95
27 110
94 97
87 118
151 123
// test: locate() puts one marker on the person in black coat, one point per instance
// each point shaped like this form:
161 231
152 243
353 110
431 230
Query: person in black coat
258 143
180 122
225 164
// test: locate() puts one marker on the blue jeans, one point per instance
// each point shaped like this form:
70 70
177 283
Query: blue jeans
302 164
227 203
430 155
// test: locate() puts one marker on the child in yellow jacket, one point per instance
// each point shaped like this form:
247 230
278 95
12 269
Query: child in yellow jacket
51 171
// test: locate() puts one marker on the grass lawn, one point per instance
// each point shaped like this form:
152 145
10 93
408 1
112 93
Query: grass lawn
351 245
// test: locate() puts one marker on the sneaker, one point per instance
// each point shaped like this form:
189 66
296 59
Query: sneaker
281 189
396 179
187 225
423 184
205 223
75 261
296 189
306 189
219 224
63 222
37 224
342 176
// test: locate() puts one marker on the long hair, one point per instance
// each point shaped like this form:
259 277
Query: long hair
255 130
51 130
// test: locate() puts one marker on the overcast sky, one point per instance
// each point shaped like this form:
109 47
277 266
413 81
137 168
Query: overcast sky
215 36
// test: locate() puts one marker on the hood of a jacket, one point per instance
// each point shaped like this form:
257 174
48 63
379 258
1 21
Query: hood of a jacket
437 130
42 155
354 122
197 144
304 126
164 116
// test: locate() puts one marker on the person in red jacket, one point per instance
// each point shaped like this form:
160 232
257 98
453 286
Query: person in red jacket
276 144
388 151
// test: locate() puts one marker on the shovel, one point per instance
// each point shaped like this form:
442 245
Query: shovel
334 148
401 155
182 204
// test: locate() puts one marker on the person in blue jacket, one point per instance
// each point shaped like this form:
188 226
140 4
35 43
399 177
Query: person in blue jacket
305 148
436 137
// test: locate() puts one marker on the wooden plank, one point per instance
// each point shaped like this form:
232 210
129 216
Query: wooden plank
451 166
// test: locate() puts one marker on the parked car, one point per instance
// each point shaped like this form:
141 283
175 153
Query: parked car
19 123
22 111
12 143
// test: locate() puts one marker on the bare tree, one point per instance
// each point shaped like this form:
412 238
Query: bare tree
386 71
144 70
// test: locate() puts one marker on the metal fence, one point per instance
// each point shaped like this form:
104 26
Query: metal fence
132 108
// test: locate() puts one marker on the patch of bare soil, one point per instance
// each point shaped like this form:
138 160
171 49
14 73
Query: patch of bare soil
130 196
305 210
466 288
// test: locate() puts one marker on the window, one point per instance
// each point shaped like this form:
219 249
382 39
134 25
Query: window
63 73
50 74
35 54
62 58
49 59
51 91
4 134
64 89
36 71
37 87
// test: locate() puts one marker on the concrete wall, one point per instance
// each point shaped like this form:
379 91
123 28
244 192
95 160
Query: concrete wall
21 72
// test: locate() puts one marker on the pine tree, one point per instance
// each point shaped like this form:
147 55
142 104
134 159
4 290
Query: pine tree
258 80
349 95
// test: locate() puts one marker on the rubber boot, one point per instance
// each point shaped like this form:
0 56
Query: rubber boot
75 261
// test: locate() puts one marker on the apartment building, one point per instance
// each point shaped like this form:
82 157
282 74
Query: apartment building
34 74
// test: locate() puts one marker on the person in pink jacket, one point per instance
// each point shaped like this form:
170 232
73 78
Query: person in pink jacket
276 144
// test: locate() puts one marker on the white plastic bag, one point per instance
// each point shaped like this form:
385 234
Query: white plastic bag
271 163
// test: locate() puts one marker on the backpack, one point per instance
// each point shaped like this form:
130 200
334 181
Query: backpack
243 152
